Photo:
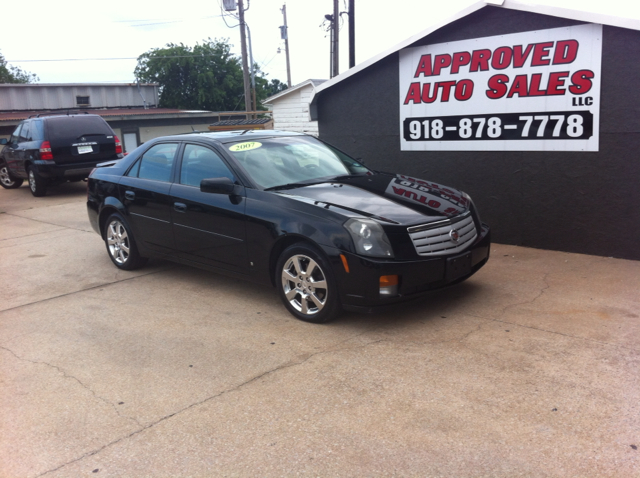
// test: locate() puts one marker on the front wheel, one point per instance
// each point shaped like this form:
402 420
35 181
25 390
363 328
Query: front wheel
306 285
6 180
37 184
121 246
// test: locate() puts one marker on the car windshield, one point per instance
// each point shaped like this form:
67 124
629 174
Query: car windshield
273 163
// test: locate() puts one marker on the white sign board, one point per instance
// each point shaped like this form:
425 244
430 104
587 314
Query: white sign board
531 91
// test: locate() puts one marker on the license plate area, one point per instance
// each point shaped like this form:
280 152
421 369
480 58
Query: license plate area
85 149
458 266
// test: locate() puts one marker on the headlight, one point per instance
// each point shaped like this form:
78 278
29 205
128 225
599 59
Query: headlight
369 238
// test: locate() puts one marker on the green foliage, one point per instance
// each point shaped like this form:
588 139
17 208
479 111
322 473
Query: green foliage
204 77
13 74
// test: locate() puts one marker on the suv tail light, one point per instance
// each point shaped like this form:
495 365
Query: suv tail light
118 145
45 151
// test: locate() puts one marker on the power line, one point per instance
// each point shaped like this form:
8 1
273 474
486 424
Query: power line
109 59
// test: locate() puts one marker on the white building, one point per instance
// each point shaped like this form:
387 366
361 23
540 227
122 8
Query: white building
291 108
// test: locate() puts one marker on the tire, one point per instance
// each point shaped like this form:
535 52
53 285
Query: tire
121 245
37 183
6 180
306 284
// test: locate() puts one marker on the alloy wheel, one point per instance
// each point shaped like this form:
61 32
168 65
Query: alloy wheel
118 242
304 284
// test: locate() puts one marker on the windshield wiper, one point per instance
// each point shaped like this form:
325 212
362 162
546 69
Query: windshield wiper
293 185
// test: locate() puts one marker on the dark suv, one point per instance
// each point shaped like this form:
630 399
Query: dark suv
52 149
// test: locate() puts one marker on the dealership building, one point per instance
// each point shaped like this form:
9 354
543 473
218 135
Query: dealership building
532 110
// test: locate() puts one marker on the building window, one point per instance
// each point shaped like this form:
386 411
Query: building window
83 101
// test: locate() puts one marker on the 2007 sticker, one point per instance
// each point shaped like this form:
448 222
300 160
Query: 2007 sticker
248 146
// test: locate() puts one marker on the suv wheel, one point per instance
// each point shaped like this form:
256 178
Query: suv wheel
37 184
6 180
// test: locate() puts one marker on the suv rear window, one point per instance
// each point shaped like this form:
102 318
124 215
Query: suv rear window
70 128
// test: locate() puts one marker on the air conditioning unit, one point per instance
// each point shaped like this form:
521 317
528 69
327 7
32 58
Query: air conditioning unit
230 5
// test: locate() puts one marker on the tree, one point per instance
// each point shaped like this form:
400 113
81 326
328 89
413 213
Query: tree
13 74
207 76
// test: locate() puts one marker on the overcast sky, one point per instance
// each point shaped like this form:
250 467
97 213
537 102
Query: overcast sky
81 30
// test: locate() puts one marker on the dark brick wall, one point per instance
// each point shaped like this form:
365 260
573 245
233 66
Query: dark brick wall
569 201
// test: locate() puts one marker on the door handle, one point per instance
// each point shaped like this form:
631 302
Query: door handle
130 195
179 207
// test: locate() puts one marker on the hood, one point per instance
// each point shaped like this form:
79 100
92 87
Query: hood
394 199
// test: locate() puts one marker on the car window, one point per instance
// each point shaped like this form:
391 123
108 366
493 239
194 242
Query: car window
36 131
271 162
200 163
156 163
24 133
70 128
15 134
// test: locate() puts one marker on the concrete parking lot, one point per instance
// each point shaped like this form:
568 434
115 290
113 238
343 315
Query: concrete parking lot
529 369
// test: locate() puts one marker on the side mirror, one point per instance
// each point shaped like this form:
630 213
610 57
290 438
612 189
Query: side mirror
217 186
4 141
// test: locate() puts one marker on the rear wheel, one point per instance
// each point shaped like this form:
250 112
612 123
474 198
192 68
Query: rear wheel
306 285
121 246
6 180
37 184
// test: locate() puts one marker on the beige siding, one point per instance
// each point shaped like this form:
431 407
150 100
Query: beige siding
291 112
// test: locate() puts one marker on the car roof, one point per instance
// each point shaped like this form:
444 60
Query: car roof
232 136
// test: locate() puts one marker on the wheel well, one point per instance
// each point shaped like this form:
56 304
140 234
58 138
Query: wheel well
277 249
104 215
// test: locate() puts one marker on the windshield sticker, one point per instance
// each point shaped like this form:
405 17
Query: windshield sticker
245 146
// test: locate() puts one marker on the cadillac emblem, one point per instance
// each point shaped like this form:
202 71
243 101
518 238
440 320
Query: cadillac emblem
454 236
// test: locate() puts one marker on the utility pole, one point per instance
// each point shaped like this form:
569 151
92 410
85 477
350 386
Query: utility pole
284 34
245 67
352 33
336 50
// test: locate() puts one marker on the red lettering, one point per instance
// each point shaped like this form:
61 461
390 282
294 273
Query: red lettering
424 66
441 61
480 60
446 90
464 90
413 94
541 54
556 81
501 58
425 93
534 87
520 57
497 86
461 58
433 203
581 82
399 191
566 52
519 87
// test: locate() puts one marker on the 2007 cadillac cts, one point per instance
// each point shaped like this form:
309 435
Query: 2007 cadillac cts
288 210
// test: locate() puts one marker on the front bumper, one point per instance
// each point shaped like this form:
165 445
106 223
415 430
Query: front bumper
360 288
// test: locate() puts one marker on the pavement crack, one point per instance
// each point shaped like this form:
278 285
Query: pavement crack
105 284
208 399
530 301
76 379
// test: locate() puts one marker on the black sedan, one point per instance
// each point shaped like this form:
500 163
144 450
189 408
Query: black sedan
288 210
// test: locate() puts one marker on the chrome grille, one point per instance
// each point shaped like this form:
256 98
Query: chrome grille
435 239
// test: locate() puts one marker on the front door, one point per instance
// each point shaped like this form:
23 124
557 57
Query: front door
209 228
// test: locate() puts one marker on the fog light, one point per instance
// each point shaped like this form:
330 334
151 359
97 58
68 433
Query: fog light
388 286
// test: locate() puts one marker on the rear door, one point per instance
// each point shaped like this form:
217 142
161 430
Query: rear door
209 228
9 152
80 139
144 191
